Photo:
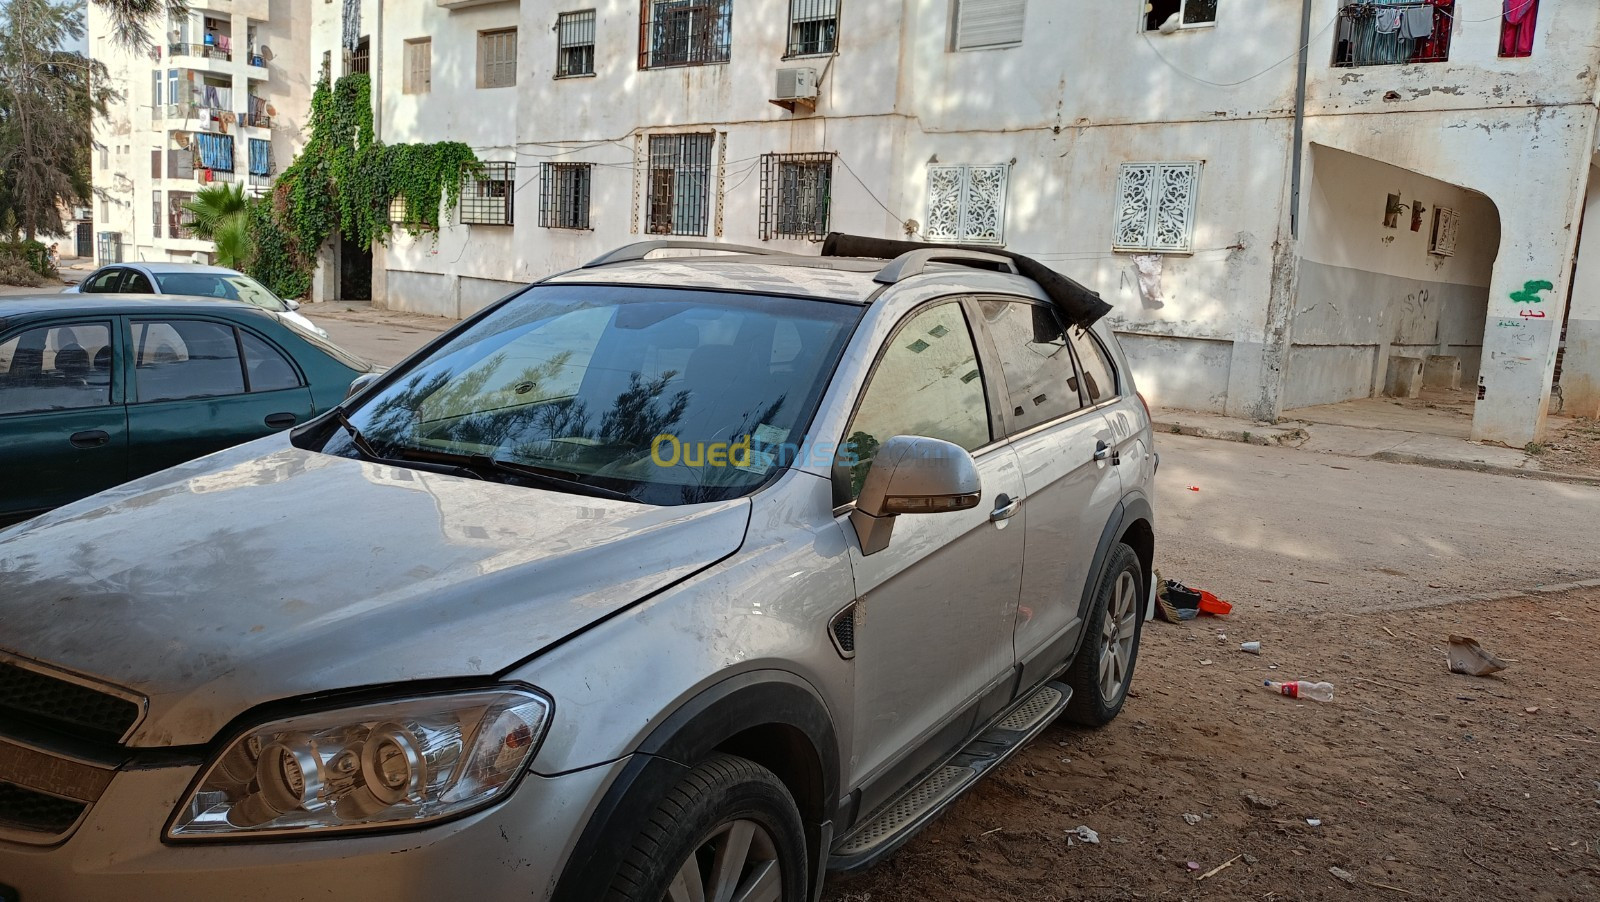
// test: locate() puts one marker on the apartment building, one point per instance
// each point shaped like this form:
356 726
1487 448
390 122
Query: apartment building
1289 204
220 97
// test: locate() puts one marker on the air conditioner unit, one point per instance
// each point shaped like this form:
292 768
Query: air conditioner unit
796 87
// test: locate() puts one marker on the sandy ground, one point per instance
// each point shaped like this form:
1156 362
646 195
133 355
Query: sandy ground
1426 783
1574 448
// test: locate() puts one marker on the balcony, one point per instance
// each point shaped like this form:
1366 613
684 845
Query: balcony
203 51
255 120
1393 34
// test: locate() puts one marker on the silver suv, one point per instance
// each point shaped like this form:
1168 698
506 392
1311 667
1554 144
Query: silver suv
682 578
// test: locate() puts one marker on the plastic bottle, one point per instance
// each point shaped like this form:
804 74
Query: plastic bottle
1321 692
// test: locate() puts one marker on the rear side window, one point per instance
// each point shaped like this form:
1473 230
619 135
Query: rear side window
266 366
1034 360
185 359
137 283
1099 376
927 383
56 368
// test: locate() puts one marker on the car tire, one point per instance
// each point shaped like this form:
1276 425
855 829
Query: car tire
1103 670
725 807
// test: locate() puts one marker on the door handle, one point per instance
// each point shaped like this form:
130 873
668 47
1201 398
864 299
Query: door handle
1006 508
1104 452
280 420
90 438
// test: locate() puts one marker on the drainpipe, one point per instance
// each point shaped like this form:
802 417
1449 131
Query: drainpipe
1300 119
375 67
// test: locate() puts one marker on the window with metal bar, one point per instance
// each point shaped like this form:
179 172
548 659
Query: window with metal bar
418 66
1518 28
1393 33
215 151
684 32
796 193
497 58
486 197
813 27
680 184
564 195
575 44
260 156
360 59
155 214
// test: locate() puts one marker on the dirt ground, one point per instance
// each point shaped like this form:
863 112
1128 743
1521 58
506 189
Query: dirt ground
1575 448
1426 783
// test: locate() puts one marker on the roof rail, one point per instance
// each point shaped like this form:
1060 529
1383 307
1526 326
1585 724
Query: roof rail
913 263
639 250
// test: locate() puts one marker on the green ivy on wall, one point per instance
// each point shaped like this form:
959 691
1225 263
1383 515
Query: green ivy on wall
344 182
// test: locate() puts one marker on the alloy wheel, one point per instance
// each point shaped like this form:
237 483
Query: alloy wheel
1116 635
738 862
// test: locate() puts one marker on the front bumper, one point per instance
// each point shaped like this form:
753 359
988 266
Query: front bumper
514 849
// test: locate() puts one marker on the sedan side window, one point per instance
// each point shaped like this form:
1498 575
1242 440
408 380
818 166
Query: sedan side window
1099 376
267 367
1034 359
186 359
927 383
137 283
56 368
103 282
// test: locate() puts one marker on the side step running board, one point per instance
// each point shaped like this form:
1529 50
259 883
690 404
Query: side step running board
888 828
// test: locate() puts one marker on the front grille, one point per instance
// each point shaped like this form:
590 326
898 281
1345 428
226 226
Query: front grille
25 809
65 707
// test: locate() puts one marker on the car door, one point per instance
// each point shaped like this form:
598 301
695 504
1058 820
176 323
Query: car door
63 427
106 281
1064 445
935 610
199 385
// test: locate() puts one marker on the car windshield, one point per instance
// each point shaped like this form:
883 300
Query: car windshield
663 396
230 286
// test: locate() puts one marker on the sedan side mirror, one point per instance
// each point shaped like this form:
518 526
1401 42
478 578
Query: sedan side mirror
292 304
361 382
913 474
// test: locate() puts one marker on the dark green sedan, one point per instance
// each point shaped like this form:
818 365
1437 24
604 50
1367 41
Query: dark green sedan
96 390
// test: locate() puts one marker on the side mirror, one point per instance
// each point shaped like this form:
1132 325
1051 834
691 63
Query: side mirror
913 474
292 304
361 382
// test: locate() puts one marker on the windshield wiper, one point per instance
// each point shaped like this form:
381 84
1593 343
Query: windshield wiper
370 454
480 463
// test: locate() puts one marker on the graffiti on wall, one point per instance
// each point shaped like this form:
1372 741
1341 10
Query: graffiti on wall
1530 295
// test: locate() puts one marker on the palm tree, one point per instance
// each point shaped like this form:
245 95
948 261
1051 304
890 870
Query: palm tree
219 216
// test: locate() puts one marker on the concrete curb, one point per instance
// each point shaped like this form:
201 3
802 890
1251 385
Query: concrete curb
1265 436
1401 457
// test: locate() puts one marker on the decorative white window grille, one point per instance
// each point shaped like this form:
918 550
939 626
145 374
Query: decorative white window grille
497 58
418 66
575 43
967 204
982 24
1446 226
1156 207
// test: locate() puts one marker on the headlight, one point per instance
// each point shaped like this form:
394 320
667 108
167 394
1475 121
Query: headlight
395 764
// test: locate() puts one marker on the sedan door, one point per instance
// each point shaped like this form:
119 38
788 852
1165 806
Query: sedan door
1064 444
201 385
63 427
935 609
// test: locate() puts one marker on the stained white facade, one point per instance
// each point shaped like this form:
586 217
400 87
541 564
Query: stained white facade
1160 169
234 71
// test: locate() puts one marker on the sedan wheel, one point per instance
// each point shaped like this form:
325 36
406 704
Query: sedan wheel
737 863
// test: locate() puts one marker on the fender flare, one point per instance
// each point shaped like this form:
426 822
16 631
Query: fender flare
1131 509
746 701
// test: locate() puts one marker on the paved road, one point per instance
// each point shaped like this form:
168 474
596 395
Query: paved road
376 336
1298 531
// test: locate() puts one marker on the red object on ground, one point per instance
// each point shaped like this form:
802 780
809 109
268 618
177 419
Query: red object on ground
1194 488
1211 604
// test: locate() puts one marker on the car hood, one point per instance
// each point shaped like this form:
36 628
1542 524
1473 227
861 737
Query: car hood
266 572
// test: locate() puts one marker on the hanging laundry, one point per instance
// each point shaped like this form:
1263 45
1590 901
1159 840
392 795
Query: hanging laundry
1417 23
1388 21
1517 31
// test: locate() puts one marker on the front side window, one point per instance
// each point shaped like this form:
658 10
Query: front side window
659 396
1099 375
103 282
185 359
927 382
137 283
575 44
680 184
1156 207
1174 14
813 27
497 58
684 32
1040 380
56 368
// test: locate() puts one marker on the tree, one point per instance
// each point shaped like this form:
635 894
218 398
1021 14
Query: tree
48 100
219 216
130 18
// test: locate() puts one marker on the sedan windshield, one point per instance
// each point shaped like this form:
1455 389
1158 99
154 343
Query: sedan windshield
229 286
660 396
